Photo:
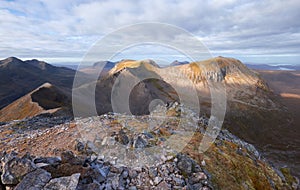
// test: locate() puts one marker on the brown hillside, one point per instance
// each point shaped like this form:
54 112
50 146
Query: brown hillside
45 99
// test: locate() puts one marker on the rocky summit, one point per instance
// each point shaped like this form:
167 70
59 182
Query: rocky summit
71 172
115 151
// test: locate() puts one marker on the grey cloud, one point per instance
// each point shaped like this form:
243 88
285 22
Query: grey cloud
57 27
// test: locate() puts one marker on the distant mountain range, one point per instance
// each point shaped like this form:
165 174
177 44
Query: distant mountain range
100 66
175 63
109 65
274 67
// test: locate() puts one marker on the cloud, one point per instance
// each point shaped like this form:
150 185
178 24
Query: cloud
66 29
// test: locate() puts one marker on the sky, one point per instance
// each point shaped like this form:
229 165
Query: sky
63 31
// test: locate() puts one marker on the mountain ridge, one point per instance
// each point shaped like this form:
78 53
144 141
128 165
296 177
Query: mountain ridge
17 78
44 99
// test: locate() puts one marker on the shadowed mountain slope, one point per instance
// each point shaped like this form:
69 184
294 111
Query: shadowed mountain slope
18 78
45 99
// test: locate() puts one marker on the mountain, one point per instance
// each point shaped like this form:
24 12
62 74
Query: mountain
46 99
254 112
287 85
17 78
175 63
101 66
282 67
141 96
242 84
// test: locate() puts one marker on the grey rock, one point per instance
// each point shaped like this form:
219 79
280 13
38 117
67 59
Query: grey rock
163 186
108 186
7 157
94 174
148 135
140 142
63 183
125 174
152 172
15 169
133 174
178 181
197 168
48 160
157 180
184 164
115 182
35 180
90 186
196 186
132 188
104 170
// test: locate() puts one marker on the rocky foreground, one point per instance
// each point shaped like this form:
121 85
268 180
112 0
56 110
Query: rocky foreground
114 151
71 172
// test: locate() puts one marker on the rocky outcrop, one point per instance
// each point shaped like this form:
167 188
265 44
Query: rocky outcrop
34 180
14 169
63 183
114 154
89 173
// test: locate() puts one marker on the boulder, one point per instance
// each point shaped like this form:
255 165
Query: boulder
63 183
15 169
185 165
35 180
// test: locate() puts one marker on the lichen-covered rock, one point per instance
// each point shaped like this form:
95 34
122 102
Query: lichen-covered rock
185 164
35 180
15 169
63 183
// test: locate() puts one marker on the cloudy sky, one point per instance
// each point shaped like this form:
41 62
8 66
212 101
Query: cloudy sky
62 31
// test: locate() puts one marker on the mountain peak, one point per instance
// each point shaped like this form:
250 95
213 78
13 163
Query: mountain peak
39 64
133 64
104 63
176 62
11 60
